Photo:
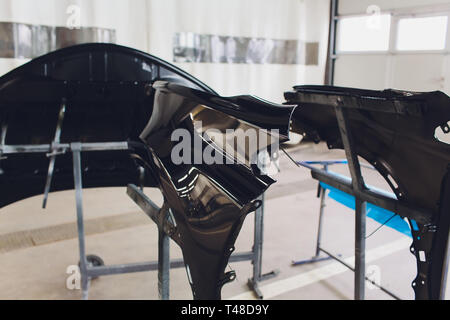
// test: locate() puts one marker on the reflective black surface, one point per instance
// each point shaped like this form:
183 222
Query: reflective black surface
394 131
112 93
109 97
208 200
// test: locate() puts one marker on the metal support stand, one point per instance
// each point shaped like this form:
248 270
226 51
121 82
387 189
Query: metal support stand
360 249
322 208
76 150
362 194
360 205
359 268
89 271
91 266
253 282
255 255
316 258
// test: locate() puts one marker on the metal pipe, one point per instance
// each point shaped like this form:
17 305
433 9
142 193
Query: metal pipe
323 194
76 149
329 162
97 271
353 269
380 199
360 248
44 148
358 186
257 241
352 157
163 264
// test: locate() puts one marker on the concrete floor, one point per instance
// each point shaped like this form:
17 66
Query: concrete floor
38 246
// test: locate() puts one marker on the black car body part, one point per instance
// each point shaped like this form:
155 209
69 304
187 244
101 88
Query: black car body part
112 93
395 132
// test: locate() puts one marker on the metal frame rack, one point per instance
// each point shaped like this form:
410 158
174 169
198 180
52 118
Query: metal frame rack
163 219
258 276
321 192
357 188
160 216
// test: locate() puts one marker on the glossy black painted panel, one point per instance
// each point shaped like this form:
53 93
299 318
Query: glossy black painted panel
393 130
209 201
109 97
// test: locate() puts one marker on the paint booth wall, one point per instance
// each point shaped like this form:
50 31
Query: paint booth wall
260 47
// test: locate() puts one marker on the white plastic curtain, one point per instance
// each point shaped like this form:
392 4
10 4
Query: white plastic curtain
271 45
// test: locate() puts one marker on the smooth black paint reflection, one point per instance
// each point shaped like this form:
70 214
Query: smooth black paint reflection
109 97
209 201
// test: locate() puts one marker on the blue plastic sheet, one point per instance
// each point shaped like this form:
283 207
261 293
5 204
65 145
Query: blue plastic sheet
374 212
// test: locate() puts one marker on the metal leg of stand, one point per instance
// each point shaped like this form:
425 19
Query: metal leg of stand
76 149
89 270
360 249
445 271
323 195
360 206
317 258
163 265
257 253
360 236
257 240
319 229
